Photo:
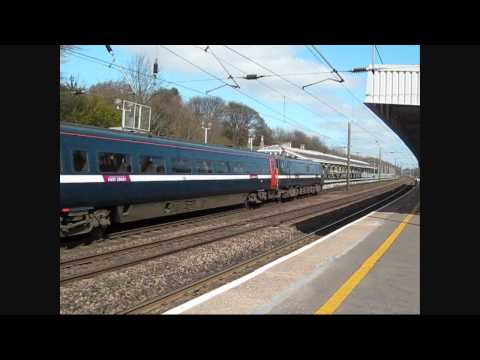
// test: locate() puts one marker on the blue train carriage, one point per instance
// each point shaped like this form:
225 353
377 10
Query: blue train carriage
299 177
109 176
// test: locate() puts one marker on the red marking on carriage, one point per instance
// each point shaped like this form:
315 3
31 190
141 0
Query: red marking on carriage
273 172
253 176
116 178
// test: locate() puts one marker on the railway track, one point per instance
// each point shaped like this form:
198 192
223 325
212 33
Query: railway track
89 266
162 303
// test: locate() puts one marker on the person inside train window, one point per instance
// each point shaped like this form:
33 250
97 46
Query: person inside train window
111 162
124 166
108 162
160 166
236 168
105 162
204 167
146 164
221 167
80 161
182 166
152 165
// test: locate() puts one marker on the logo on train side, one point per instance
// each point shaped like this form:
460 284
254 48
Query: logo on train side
116 178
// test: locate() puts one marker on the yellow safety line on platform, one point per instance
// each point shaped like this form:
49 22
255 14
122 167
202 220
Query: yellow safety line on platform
341 294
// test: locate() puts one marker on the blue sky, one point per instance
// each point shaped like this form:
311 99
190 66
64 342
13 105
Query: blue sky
315 114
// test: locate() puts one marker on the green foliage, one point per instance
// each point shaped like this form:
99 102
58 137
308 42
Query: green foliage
87 109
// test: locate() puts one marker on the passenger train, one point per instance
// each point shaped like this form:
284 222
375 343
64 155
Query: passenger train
113 176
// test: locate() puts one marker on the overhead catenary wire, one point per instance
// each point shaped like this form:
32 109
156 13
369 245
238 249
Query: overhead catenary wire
334 71
267 76
223 66
281 94
288 81
328 64
378 52
297 86
324 60
236 89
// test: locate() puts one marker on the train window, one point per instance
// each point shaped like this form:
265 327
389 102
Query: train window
79 161
260 169
263 167
152 165
204 167
114 162
221 167
181 166
238 168
251 167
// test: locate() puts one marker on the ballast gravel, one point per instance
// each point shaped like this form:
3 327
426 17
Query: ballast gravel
114 292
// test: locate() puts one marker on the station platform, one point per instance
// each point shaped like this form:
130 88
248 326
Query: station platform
370 266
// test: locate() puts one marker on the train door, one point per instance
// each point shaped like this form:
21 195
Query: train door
272 164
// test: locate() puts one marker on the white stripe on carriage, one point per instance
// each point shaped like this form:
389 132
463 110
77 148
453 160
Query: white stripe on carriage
140 178
293 177
75 179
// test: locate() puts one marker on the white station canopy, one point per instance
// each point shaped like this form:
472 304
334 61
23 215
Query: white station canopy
316 156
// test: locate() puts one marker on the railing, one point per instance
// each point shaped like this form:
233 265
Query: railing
330 183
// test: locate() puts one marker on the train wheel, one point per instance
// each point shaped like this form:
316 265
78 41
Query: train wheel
251 202
98 234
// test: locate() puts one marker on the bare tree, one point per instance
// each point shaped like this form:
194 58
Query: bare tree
238 121
140 78
111 90
261 128
210 111
207 108
170 117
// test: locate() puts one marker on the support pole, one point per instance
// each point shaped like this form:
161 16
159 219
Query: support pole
379 162
348 159
206 127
